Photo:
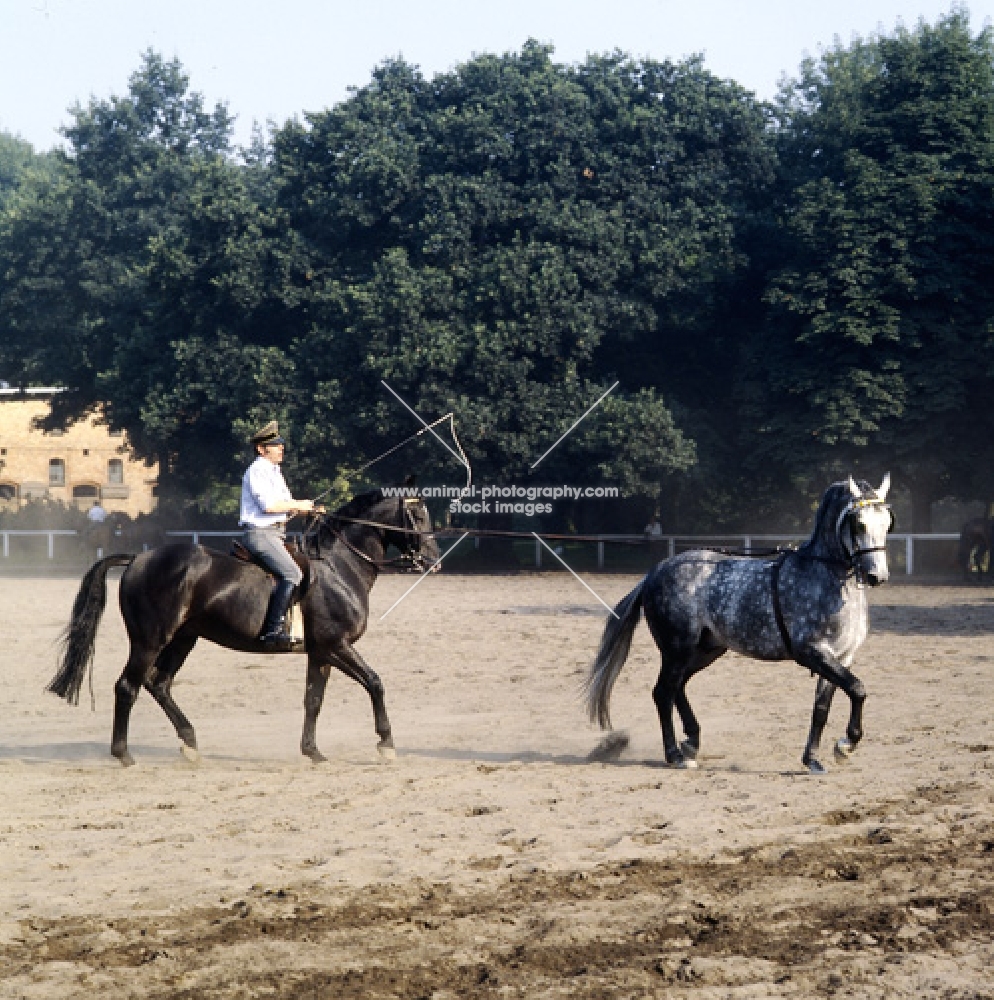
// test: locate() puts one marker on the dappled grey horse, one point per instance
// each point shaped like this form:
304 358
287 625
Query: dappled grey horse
808 605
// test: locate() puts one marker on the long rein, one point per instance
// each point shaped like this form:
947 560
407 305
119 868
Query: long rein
779 551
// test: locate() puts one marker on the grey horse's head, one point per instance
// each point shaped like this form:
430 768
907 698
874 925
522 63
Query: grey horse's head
861 527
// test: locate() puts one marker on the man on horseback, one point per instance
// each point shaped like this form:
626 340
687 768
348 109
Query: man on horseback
265 507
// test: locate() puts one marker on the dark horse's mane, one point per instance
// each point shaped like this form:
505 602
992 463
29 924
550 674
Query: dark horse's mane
329 526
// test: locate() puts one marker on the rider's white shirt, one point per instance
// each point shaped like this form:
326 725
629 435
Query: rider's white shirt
262 486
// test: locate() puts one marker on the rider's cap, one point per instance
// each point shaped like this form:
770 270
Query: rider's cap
270 434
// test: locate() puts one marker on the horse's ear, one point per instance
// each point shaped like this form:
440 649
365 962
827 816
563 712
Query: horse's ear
853 488
884 488
410 481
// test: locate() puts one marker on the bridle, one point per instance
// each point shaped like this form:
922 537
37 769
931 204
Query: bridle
854 554
410 558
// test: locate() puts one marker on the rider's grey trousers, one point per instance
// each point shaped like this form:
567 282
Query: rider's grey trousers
267 545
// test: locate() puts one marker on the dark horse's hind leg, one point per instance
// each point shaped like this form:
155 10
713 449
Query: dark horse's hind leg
126 690
346 659
159 685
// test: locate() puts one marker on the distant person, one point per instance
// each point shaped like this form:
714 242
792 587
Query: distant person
96 514
654 529
266 505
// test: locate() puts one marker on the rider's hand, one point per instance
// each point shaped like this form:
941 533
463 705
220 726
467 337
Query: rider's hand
304 506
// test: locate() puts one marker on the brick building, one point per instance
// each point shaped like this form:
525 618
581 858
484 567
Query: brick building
85 463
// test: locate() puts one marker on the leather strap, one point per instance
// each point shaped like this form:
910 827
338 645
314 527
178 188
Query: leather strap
777 609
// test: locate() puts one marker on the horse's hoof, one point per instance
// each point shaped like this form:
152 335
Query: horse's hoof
190 754
844 749
816 768
386 750
682 765
689 750
125 758
315 756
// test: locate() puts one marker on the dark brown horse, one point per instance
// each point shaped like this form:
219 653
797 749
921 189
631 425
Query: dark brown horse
174 595
974 556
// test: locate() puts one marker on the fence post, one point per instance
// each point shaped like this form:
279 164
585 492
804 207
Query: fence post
600 554
671 552
6 545
909 554
51 545
747 543
538 553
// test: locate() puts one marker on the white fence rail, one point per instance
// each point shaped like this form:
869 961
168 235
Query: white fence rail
670 543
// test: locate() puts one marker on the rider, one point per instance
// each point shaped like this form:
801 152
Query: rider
266 505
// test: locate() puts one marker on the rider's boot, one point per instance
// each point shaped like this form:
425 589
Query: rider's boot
274 635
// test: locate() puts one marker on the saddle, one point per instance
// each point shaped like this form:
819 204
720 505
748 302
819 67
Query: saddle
240 552
295 621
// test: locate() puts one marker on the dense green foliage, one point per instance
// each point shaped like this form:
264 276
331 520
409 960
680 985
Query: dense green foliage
783 292
880 324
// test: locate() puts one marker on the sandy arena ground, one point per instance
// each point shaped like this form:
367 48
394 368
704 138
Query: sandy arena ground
492 859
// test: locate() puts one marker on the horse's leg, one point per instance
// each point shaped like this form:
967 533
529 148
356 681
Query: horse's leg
125 693
664 694
819 717
353 665
832 671
691 746
160 683
318 668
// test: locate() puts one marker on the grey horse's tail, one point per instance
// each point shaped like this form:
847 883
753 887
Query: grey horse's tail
81 633
615 643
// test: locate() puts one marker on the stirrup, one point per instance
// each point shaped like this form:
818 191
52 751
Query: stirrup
277 641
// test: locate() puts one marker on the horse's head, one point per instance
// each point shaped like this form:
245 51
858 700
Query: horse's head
402 521
861 526
415 539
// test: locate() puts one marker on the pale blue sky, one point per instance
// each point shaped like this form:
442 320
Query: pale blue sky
273 59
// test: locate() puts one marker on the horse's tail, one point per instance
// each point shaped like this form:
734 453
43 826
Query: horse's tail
80 635
615 643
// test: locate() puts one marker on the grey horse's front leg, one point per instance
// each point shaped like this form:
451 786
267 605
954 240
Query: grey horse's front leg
819 717
834 675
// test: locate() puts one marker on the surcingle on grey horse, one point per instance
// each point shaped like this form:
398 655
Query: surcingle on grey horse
807 605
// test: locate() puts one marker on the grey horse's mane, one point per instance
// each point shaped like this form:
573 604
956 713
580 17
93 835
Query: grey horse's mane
824 540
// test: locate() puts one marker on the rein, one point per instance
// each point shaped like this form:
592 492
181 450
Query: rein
325 521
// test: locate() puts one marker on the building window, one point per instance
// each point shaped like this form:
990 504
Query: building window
56 472
86 492
8 491
115 472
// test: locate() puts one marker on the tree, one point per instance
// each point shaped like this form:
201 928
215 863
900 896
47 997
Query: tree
508 239
136 275
881 311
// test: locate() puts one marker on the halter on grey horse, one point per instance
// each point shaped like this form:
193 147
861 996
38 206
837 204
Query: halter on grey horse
808 605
